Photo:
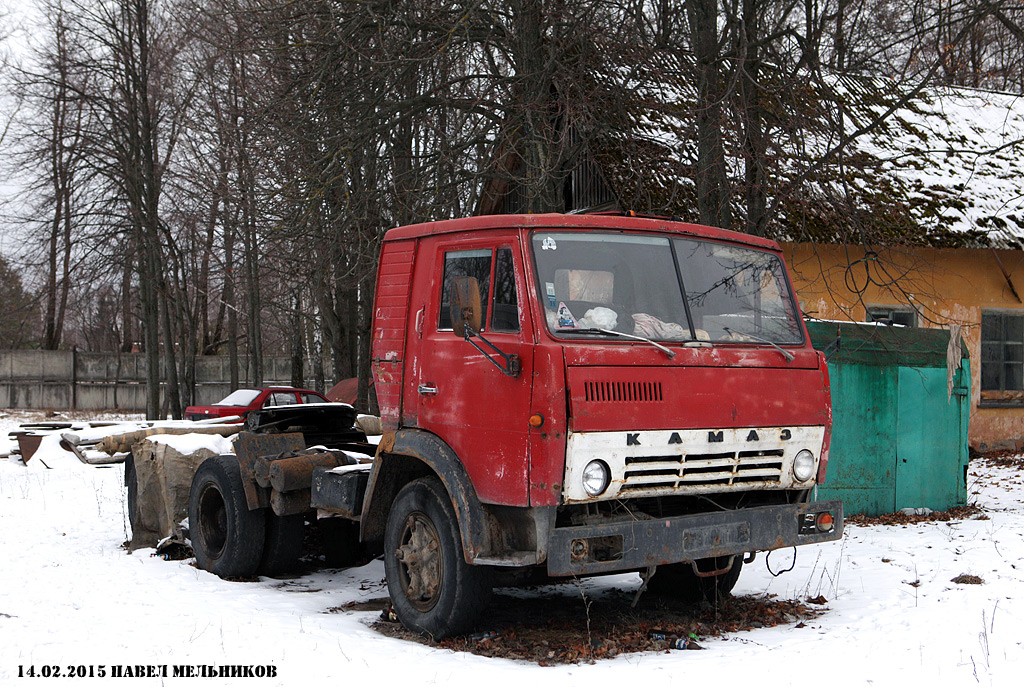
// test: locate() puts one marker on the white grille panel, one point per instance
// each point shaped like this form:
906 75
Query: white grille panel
664 462
696 469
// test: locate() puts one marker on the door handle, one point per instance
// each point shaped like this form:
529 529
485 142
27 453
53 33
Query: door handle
427 389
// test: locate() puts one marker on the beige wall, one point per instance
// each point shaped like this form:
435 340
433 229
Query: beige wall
943 285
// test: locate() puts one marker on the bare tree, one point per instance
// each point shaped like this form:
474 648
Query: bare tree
47 145
121 59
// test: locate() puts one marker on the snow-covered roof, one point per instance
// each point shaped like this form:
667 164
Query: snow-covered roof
945 168
960 151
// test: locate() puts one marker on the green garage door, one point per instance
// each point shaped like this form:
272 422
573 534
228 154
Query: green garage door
931 440
898 439
862 463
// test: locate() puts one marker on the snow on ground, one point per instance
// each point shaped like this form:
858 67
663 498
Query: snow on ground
71 596
190 443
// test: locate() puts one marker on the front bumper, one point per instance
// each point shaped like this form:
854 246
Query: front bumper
639 544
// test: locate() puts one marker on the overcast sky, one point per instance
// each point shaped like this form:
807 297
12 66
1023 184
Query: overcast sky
14 15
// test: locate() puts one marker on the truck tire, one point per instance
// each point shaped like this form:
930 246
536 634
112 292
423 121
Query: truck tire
131 483
227 537
342 548
282 543
678 580
433 590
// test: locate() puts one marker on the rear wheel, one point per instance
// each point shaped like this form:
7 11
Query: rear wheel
434 591
342 548
282 543
680 581
227 537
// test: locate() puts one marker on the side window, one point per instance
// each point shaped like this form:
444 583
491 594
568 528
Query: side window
465 263
280 398
505 317
311 398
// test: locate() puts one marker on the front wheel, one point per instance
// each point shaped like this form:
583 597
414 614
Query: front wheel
433 590
680 581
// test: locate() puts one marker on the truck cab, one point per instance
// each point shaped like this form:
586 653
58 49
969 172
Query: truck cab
587 394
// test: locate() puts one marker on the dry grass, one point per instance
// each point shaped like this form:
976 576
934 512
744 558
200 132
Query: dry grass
898 518
968 579
554 628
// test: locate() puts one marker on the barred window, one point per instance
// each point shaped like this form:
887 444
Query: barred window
1002 351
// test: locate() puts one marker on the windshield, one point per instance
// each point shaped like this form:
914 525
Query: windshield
241 397
666 289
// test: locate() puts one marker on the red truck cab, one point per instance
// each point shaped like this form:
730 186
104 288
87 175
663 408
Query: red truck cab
588 394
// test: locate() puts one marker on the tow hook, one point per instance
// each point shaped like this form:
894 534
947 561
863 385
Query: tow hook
713 573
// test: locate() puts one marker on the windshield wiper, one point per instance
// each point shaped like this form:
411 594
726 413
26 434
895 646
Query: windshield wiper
788 356
599 330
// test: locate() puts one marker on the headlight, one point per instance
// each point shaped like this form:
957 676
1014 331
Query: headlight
596 477
803 466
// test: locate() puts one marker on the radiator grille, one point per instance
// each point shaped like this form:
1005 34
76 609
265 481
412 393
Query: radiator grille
701 470
622 392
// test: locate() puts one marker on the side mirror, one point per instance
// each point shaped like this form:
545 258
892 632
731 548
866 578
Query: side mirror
465 305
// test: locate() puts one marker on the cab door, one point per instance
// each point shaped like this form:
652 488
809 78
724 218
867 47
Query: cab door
454 390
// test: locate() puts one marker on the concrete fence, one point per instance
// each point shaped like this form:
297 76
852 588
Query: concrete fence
77 380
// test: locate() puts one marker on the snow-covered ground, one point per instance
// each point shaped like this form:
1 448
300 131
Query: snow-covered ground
70 596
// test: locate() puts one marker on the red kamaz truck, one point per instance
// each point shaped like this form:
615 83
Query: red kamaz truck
574 395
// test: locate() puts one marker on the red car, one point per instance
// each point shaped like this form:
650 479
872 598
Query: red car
241 401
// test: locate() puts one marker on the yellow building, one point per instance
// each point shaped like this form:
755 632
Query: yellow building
979 289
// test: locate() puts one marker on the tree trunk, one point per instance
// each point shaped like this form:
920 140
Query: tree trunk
713 193
755 178
296 340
